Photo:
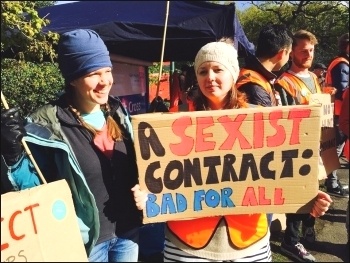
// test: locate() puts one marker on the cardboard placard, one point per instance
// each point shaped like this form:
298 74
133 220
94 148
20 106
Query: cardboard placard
40 225
329 160
241 161
327 112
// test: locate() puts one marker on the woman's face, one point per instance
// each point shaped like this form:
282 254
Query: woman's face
214 81
92 90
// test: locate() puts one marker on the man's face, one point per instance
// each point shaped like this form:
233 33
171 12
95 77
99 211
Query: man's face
302 54
284 58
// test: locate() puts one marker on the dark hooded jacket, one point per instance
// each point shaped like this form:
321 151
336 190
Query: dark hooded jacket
101 187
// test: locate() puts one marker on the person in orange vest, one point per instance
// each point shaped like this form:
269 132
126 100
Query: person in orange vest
295 87
256 78
244 237
297 83
338 76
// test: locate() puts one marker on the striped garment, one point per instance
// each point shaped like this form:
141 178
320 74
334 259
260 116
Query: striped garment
173 253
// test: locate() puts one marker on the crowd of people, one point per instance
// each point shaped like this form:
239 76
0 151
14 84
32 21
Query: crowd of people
85 137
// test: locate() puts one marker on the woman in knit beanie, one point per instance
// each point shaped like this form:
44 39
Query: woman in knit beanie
241 238
216 68
222 95
85 137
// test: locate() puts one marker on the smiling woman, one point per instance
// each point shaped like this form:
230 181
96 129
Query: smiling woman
89 143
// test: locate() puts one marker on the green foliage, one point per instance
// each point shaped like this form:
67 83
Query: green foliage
153 72
21 31
221 2
41 4
326 19
29 85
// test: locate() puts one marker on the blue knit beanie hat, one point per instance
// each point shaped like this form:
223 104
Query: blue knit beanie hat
80 52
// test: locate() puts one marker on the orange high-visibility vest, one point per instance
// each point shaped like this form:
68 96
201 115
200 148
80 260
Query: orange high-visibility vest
251 76
296 87
329 81
243 230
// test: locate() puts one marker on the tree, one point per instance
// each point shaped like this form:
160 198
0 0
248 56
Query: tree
26 84
21 31
326 19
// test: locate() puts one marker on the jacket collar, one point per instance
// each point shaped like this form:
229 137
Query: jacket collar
66 116
253 63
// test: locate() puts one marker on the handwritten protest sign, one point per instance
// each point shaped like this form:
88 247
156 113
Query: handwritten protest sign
241 161
327 111
329 160
40 225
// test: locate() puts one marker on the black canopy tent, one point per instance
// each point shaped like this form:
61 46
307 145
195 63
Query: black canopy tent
135 28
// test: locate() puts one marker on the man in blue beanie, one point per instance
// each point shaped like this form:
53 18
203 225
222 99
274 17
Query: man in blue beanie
84 137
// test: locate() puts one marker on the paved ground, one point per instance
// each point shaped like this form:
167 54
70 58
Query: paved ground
331 236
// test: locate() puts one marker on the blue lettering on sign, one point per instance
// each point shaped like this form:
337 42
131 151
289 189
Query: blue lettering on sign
168 205
212 199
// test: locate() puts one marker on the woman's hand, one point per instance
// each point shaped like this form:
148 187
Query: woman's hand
12 132
321 204
140 197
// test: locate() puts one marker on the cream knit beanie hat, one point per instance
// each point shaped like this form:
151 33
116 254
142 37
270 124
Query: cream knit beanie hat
220 52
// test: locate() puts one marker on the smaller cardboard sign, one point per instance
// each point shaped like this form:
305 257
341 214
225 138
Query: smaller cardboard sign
329 160
40 225
327 111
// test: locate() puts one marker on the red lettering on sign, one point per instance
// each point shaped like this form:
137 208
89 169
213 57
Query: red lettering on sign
262 199
280 136
259 131
30 208
234 134
11 224
201 143
250 198
186 145
297 115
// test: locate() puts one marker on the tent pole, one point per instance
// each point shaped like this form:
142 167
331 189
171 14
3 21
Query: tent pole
163 46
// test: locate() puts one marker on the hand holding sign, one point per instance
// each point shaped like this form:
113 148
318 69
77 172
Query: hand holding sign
140 197
321 204
12 132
